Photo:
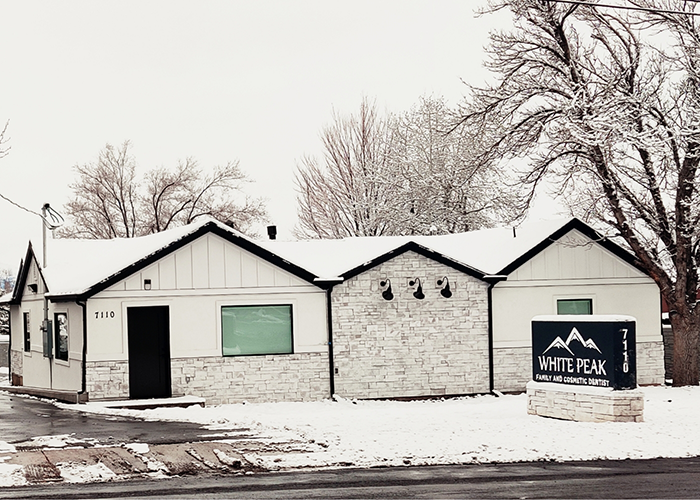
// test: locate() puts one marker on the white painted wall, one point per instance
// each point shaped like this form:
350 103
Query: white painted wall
573 267
195 282
36 370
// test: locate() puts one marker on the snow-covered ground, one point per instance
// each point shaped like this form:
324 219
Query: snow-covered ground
453 431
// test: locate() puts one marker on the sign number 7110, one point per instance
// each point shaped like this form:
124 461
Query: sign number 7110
625 355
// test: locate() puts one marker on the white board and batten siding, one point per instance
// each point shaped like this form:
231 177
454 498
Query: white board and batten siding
195 281
573 267
35 369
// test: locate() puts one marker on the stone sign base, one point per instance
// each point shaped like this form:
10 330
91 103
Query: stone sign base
584 404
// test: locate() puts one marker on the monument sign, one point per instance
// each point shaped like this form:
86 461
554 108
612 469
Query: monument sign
585 350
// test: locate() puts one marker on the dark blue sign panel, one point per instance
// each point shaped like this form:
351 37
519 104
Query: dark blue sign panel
579 350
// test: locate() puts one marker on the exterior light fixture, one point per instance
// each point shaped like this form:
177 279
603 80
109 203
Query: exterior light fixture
146 284
418 291
385 284
444 285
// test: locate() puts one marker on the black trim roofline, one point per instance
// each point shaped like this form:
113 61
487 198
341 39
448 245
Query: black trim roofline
209 227
21 282
419 249
583 228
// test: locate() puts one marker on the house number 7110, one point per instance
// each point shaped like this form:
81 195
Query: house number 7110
104 314
625 354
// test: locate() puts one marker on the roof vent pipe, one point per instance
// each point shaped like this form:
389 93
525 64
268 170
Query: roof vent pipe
272 232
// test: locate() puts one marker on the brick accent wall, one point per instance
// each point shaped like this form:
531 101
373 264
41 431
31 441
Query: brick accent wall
224 380
512 368
16 367
650 363
584 404
408 347
107 379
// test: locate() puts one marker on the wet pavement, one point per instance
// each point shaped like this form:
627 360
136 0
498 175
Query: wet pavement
96 448
23 418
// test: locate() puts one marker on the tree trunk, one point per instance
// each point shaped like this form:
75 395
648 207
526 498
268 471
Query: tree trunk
685 349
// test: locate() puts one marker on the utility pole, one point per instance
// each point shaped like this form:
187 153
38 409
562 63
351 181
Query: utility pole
44 228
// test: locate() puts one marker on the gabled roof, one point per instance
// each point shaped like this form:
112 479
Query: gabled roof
483 253
79 269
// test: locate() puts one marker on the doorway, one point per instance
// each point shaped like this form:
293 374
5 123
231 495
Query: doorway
149 352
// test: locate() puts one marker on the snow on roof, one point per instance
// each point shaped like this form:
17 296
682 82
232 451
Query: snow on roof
75 266
487 250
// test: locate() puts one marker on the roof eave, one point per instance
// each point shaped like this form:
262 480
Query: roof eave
583 228
209 227
421 250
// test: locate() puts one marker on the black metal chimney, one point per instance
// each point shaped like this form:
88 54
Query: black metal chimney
272 232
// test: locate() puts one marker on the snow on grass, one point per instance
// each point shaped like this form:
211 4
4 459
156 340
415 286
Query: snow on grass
6 447
465 430
57 441
81 473
12 475
138 448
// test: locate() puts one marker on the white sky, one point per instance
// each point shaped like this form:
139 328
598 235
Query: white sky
218 81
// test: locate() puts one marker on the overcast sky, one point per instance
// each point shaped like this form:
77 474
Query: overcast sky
218 81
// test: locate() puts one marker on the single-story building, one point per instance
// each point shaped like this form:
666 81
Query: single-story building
206 311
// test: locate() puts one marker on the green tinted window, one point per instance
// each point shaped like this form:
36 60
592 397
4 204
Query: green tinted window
575 306
256 330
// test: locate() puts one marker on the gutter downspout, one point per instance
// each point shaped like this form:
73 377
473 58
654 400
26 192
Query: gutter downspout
83 383
492 280
9 344
329 318
490 334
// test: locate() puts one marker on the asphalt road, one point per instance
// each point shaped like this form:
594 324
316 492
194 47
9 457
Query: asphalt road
660 478
24 418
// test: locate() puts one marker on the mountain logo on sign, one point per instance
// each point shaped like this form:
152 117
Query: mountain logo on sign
558 343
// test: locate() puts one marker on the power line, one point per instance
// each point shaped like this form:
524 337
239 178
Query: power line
52 220
627 7
19 206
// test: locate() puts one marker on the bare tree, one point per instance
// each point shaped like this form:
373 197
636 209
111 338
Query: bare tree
4 148
179 197
110 202
444 190
345 196
605 103
7 282
400 175
105 197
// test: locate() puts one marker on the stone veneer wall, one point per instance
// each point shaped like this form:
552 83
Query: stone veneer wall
16 366
222 380
407 347
107 379
650 363
584 404
513 366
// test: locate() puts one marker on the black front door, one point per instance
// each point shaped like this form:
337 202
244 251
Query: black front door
149 352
